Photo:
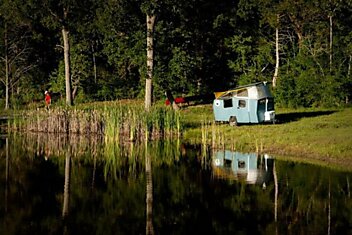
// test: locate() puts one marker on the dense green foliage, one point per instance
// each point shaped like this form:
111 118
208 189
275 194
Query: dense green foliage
201 46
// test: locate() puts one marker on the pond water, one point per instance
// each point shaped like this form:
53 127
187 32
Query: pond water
75 185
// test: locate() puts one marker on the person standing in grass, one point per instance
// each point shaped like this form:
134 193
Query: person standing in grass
47 100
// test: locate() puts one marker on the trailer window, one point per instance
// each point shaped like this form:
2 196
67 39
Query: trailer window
261 105
243 93
242 103
270 106
228 103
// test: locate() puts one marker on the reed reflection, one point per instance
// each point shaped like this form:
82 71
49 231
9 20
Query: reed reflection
162 187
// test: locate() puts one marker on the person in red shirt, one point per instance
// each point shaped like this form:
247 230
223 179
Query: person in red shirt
47 100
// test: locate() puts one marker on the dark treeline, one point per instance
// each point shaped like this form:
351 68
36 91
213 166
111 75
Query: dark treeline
200 46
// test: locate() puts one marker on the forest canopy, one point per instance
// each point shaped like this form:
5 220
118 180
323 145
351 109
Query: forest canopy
200 46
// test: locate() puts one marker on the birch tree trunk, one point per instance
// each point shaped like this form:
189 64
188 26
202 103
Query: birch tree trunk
150 61
276 73
65 36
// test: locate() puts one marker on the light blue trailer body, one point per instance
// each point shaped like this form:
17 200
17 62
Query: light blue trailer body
246 104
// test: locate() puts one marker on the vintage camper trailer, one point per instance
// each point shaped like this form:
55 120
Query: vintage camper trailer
252 103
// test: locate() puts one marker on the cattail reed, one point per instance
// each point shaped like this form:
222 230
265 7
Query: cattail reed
115 123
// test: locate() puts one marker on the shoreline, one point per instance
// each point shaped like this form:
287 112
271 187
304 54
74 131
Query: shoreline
319 136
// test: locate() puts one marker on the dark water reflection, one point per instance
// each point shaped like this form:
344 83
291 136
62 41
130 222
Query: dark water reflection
60 185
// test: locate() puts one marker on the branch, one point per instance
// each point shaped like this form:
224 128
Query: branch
19 72
56 16
60 46
17 57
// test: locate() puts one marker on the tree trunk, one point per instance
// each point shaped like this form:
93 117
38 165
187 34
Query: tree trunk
276 73
74 92
150 60
67 65
7 75
298 30
94 65
330 46
349 67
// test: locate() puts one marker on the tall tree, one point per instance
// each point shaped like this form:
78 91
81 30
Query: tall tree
150 60
63 15
16 49
277 52
150 9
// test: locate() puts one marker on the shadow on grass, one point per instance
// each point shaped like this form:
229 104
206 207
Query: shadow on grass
295 116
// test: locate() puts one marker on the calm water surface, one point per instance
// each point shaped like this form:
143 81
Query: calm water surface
60 185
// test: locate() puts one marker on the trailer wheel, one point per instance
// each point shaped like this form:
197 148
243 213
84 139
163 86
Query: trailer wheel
233 121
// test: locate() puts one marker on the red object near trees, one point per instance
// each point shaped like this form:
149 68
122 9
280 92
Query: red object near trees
178 100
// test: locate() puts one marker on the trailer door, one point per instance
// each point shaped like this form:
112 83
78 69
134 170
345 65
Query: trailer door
242 111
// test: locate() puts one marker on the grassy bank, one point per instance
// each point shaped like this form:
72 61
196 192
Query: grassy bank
311 135
321 136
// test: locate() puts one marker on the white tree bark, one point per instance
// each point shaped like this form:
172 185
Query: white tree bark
276 73
150 61
65 35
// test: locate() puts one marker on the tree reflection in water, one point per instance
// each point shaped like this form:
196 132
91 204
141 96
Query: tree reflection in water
162 187
149 192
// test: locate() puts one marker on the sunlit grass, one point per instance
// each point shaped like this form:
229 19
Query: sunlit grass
313 133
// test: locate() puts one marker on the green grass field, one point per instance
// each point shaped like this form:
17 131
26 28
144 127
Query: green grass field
321 136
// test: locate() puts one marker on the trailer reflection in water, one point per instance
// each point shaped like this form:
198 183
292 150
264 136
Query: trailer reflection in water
249 167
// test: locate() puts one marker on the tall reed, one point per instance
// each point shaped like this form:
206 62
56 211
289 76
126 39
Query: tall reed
114 122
